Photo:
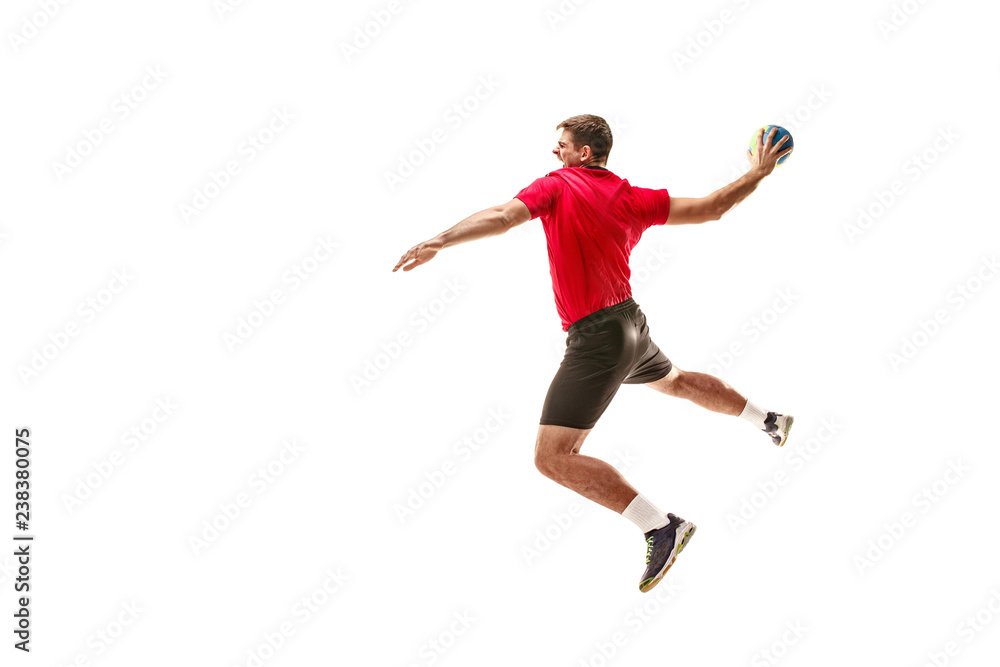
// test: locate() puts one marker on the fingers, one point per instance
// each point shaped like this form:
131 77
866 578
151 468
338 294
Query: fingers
402 260
413 257
767 152
772 149
770 136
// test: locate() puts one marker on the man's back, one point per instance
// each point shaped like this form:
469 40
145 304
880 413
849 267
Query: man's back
592 220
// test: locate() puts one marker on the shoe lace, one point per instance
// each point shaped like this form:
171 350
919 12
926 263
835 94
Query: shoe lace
649 548
771 423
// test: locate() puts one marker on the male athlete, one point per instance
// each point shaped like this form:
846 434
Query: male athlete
592 220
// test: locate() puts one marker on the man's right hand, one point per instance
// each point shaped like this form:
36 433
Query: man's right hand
767 156
420 254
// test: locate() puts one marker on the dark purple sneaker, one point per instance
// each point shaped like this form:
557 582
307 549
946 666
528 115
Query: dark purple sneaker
662 547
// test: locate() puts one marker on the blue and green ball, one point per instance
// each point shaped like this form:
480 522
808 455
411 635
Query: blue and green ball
782 132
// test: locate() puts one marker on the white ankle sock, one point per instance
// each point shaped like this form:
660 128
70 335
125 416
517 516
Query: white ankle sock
645 514
754 415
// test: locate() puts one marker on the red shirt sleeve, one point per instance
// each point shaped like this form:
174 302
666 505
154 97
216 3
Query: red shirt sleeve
655 204
540 197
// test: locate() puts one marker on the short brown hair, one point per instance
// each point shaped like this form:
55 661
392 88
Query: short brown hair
589 130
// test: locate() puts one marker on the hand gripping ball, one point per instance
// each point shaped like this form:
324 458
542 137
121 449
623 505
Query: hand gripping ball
782 132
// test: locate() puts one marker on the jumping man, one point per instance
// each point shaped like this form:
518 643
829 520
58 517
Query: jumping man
592 220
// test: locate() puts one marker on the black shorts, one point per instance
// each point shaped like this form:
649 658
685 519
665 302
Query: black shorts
604 350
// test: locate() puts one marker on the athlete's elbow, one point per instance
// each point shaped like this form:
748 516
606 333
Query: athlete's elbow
702 216
714 214
710 209
504 220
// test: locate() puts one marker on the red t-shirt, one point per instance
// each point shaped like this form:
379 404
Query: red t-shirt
592 220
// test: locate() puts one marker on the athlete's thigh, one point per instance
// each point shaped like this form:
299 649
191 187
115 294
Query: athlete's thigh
555 440
591 372
665 385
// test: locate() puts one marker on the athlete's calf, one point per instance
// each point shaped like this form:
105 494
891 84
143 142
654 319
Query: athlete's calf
557 456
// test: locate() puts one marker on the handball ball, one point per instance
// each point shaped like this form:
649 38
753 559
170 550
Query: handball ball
782 132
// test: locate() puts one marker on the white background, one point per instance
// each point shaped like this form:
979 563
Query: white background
540 575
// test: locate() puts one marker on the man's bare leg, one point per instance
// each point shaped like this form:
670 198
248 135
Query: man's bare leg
557 456
713 394
701 389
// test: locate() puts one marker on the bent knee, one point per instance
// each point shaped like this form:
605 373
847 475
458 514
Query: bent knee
544 464
678 378
548 463
553 445
672 382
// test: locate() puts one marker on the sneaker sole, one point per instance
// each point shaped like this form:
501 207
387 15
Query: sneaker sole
784 434
687 529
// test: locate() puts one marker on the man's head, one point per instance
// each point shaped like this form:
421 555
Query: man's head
585 140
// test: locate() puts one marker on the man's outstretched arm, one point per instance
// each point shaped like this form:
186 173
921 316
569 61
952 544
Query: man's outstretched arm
488 222
685 211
